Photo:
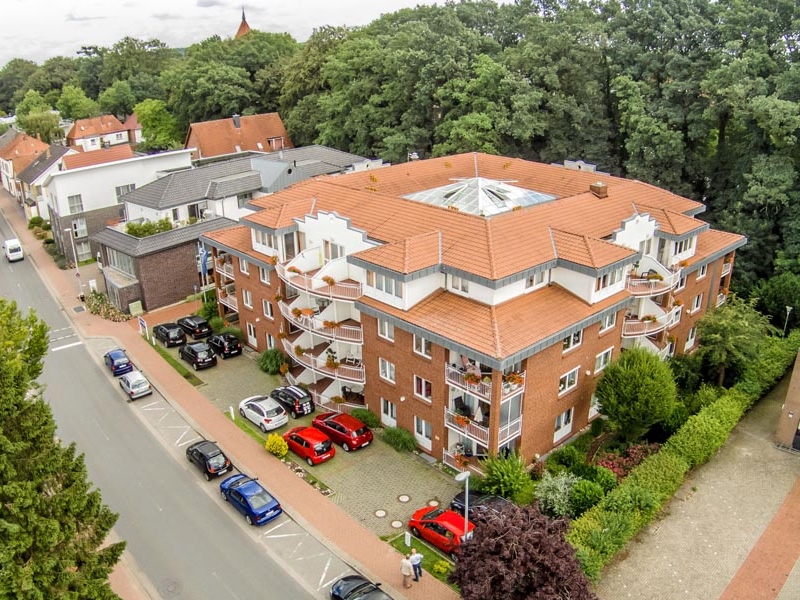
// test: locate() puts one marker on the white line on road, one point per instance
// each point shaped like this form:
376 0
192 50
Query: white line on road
101 430
65 347
214 573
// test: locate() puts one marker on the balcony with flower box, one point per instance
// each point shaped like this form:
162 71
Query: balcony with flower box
460 462
481 385
655 320
226 295
306 272
651 278
223 265
349 330
316 359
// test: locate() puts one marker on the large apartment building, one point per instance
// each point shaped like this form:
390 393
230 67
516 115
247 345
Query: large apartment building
473 300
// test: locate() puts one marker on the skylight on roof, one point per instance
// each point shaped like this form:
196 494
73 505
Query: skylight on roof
480 196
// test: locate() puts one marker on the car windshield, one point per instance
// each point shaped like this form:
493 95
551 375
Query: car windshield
322 447
274 412
218 460
202 354
14 248
360 431
141 383
260 499
174 333
120 361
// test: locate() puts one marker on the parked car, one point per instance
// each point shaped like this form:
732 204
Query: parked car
310 444
477 502
264 412
225 344
208 457
199 355
170 334
294 399
250 498
356 587
195 326
347 431
117 362
135 385
440 527
13 250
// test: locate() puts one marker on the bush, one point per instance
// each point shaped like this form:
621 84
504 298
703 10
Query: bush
35 222
554 493
622 463
662 474
701 436
633 499
276 445
216 323
271 360
400 439
209 309
598 535
370 419
585 494
441 567
47 226
526 494
605 478
564 458
505 476
48 242
99 304
148 228
235 331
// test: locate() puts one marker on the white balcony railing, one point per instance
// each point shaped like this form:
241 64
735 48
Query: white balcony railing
344 372
482 388
296 273
648 325
510 431
651 278
721 299
228 300
466 426
316 325
449 459
225 268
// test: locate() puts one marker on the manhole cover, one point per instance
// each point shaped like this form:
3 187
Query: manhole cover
79 309
169 588
404 498
397 524
433 503
380 513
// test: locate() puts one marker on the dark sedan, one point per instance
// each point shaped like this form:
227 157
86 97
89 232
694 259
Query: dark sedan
225 345
478 502
117 362
195 326
250 498
199 355
170 334
356 587
208 457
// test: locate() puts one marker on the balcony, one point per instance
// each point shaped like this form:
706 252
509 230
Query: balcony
305 272
471 464
661 351
228 299
649 324
224 267
314 359
652 278
483 389
349 331
726 269
466 426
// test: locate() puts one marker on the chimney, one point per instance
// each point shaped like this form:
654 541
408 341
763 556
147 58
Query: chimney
599 189
236 122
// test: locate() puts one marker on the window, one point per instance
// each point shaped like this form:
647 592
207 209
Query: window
265 239
275 143
607 280
691 340
702 271
263 275
243 198
75 204
697 303
537 280
79 228
84 250
594 406
676 316
459 283
121 262
572 341
608 322
422 388
388 412
244 266
601 360
681 282
386 369
422 346
332 251
267 306
683 246
196 210
568 381
247 298
563 424
385 283
386 330
118 137
423 432
121 190
270 342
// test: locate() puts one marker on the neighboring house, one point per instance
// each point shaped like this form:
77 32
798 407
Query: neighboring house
98 132
474 300
78 160
157 270
86 199
134 129
32 179
321 160
260 133
15 157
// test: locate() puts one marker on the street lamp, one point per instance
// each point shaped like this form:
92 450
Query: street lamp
786 322
464 477
68 230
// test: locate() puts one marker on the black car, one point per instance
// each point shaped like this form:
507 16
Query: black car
199 355
170 334
294 399
225 344
207 457
356 587
195 326
478 502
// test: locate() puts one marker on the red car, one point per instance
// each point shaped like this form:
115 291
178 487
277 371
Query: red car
440 527
310 444
347 431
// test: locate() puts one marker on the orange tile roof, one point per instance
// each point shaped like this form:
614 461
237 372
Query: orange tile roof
498 331
213 138
98 157
243 27
98 126
714 241
406 256
670 221
237 237
591 252
22 151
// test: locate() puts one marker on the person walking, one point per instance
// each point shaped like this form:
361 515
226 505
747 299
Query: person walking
416 562
406 569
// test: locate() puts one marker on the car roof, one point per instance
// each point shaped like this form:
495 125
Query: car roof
247 486
194 318
207 448
310 434
263 401
348 421
169 325
453 521
135 376
295 391
199 346
117 353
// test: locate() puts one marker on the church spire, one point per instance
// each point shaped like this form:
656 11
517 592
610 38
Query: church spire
243 26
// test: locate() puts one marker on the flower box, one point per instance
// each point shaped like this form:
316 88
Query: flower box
294 270
299 350
514 378
655 277
461 420
329 280
337 399
284 368
296 312
472 378
331 324
273 260
282 335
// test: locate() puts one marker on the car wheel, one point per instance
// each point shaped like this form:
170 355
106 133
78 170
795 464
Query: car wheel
248 519
310 462
263 428
415 531
208 476
345 447
241 412
293 414
166 343
194 366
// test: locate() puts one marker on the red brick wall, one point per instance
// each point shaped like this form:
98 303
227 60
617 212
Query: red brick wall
168 276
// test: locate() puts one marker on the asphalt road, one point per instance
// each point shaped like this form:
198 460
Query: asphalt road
185 542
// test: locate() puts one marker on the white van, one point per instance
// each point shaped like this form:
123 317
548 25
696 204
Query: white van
13 250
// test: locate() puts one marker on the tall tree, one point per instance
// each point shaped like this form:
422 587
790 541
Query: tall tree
74 104
53 525
117 100
13 77
159 128
130 55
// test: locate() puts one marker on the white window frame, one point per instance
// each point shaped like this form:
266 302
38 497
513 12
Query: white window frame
386 370
388 412
594 406
572 341
691 340
564 385
602 360
385 284
244 266
79 228
266 306
702 272
263 275
563 424
608 322
697 303
606 281
75 204
121 190
422 346
271 343
247 298
332 251
681 282
422 387
386 329
459 284
84 250
537 280
423 432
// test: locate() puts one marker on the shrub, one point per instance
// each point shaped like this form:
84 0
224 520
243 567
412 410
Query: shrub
622 463
370 419
584 495
598 535
47 226
441 567
38 233
216 323
699 438
505 476
537 470
48 242
662 474
605 478
554 493
99 304
209 309
632 498
400 439
276 445
564 458
148 228
271 360
35 222
526 494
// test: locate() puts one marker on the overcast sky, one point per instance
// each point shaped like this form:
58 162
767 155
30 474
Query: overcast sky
40 29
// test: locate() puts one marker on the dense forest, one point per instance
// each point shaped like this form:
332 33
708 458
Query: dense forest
700 97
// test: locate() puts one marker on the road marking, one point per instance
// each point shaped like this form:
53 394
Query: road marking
101 430
230 591
179 441
65 347
63 337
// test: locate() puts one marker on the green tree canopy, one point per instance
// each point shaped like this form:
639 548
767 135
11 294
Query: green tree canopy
13 77
636 391
117 100
159 128
74 104
45 125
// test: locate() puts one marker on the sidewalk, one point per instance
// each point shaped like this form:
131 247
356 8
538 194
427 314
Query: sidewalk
344 536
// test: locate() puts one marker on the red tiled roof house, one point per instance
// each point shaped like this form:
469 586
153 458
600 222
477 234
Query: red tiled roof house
259 133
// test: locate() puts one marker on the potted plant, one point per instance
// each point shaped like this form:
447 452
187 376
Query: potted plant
331 324
724 291
472 378
331 360
655 277
282 335
461 420
294 270
296 312
678 302
651 318
683 264
299 350
462 461
273 260
329 280
337 399
284 368
514 378
278 298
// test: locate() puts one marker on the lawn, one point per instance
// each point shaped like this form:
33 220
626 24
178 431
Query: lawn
182 371
433 562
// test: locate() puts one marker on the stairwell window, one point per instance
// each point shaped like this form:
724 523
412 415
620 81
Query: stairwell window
608 322
459 283
263 275
602 360
697 303
691 339
386 329
702 271
422 346
386 369
75 204
247 298
266 305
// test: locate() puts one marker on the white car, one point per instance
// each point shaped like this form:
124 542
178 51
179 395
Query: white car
264 412
135 385
13 250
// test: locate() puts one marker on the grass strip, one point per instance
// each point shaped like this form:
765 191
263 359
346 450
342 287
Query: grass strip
182 371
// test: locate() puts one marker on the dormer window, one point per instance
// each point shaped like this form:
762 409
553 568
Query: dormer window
537 280
459 283
608 280
684 245
385 283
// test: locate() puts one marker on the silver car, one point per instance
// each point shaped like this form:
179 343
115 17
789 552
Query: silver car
135 385
264 412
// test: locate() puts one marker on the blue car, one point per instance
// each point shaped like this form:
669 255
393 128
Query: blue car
117 362
250 498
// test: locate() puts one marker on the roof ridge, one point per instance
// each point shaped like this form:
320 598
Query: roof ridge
496 338
489 250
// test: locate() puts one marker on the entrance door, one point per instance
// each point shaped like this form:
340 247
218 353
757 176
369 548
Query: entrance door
251 335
